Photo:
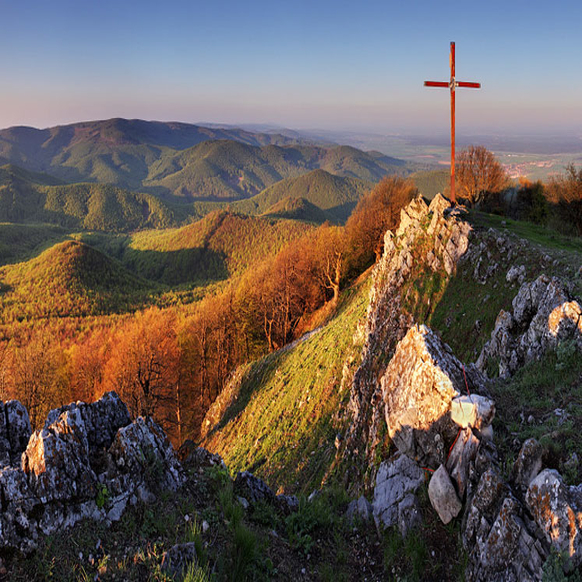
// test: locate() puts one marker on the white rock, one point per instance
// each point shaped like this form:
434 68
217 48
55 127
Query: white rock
472 411
443 496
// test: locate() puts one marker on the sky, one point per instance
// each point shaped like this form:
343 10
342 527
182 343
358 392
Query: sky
324 64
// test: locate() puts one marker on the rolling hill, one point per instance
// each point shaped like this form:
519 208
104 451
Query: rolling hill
226 170
70 279
115 151
30 197
180 159
214 248
298 209
336 195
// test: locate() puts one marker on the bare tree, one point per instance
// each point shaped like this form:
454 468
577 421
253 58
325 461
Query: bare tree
479 174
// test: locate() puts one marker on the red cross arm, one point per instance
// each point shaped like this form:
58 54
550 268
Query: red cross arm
436 84
470 85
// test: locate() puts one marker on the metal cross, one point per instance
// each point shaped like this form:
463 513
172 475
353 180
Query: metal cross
452 85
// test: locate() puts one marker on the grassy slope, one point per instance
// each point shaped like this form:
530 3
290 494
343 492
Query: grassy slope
69 279
282 421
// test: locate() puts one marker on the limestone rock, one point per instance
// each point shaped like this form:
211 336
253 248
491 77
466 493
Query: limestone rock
544 314
197 457
15 431
473 411
557 509
443 496
141 454
253 488
287 503
441 234
502 543
461 456
409 515
419 384
17 527
397 479
95 424
528 463
516 273
177 560
359 509
58 467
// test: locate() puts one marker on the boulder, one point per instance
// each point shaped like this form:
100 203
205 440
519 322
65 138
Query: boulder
198 457
516 273
287 503
544 314
177 560
502 542
397 480
409 515
142 457
418 387
443 496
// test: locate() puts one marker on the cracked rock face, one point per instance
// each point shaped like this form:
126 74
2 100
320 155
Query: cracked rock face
15 431
418 387
443 235
557 509
395 494
543 315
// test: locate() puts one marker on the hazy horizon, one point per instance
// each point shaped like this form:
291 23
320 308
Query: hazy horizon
319 65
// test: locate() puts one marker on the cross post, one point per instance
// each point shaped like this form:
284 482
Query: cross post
452 85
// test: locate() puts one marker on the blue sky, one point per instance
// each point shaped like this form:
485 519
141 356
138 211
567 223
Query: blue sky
318 64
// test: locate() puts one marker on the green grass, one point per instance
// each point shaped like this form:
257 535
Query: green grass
540 235
536 391
466 301
282 420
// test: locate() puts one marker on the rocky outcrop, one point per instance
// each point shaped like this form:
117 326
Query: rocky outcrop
428 239
543 315
89 461
508 527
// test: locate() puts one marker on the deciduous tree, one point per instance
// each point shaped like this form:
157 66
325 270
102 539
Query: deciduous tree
479 174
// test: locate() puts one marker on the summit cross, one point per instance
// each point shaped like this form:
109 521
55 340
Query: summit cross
452 85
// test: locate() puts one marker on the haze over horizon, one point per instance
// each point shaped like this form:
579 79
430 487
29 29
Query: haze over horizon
325 66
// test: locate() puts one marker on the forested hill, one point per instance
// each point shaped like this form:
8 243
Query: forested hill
181 159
